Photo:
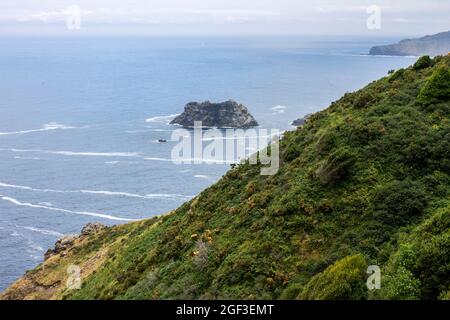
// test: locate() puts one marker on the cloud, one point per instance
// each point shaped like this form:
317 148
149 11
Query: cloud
233 16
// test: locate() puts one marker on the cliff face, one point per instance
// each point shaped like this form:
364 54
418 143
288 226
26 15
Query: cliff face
364 182
434 45
228 114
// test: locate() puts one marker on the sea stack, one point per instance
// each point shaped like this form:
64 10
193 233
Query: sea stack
228 114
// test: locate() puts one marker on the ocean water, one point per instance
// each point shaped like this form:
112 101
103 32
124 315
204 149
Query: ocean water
80 119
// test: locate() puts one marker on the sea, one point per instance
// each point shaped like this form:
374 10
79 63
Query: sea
81 119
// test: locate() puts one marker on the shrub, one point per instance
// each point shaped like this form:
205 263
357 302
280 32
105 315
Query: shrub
363 99
398 202
419 269
436 89
291 292
423 62
399 286
432 266
336 167
291 152
445 295
345 279
397 75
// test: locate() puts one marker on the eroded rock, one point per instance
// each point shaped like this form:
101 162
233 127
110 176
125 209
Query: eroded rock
228 114
92 228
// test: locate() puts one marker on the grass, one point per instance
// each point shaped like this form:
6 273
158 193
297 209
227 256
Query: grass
364 182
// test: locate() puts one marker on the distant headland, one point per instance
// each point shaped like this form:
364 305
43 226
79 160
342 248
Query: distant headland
433 45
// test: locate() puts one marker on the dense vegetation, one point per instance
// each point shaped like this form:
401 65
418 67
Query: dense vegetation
364 182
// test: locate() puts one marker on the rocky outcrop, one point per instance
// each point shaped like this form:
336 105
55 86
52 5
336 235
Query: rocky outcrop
438 44
228 114
301 121
92 228
61 246
66 242
86 251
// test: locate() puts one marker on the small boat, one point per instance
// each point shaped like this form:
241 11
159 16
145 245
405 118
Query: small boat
162 140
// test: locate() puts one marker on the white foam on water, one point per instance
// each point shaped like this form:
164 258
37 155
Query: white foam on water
27 158
97 154
192 160
49 204
36 247
160 130
13 186
202 176
279 109
113 193
6 185
112 162
42 231
157 159
74 153
133 195
86 213
97 192
167 195
164 119
148 130
45 127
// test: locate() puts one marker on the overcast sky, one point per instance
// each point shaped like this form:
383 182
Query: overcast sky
224 17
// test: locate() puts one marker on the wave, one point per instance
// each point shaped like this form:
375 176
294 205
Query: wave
46 127
6 185
35 247
13 186
86 213
99 192
112 162
160 130
42 231
34 250
98 154
202 176
133 195
164 119
279 109
192 160
168 195
49 204
74 153
27 158
157 159
149 130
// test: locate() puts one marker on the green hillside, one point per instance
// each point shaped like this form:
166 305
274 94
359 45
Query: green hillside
364 182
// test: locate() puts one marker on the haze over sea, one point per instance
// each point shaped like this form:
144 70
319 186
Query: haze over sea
80 120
